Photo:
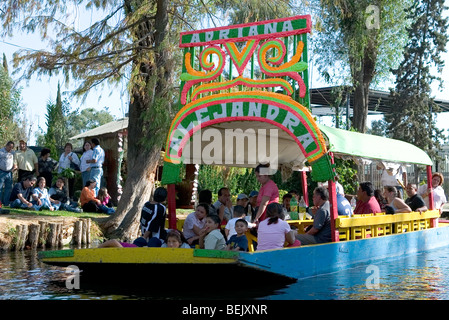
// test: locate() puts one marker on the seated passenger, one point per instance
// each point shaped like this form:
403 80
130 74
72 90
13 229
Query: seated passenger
366 202
239 213
439 198
152 219
320 232
194 223
398 205
238 241
211 236
380 199
414 200
273 232
175 239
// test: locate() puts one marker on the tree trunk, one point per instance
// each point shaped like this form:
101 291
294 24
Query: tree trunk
363 72
143 149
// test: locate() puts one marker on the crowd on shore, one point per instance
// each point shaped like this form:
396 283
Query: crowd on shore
36 188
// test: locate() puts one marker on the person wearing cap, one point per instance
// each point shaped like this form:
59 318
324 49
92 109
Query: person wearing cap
7 167
242 200
26 161
251 207
223 206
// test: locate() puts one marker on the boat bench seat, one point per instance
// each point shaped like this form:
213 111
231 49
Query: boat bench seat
379 224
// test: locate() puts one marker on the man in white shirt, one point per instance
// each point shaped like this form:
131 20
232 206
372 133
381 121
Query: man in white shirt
7 167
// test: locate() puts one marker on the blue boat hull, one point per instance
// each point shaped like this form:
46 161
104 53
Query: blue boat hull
307 261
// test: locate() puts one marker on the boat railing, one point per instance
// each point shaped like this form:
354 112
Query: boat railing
376 225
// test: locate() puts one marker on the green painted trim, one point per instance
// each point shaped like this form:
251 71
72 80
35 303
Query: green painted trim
215 254
56 254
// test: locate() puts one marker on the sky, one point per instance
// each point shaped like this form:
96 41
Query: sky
38 91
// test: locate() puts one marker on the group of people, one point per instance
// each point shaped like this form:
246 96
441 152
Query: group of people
32 171
223 226
390 200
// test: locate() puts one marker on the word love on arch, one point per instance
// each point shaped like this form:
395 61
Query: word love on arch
253 73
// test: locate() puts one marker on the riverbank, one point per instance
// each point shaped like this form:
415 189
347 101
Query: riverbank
23 229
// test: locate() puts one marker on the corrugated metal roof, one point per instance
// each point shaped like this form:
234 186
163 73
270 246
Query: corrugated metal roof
110 127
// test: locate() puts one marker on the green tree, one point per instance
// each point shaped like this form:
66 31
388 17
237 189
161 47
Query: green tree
56 135
412 116
86 119
11 127
358 42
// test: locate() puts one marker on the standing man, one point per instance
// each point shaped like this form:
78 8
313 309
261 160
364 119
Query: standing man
96 171
26 161
7 167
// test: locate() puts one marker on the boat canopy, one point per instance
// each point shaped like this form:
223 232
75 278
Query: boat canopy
365 147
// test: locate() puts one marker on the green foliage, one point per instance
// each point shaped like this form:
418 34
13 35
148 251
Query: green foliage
412 116
11 126
238 180
352 53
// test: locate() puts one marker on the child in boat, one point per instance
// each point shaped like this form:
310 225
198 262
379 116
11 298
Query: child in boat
175 239
211 236
152 219
194 223
41 199
238 241
273 232
239 213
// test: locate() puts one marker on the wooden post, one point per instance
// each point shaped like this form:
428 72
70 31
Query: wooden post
87 231
77 232
171 200
52 235
83 231
33 235
333 206
21 236
42 234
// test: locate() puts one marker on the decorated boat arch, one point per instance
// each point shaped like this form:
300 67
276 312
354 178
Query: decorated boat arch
245 100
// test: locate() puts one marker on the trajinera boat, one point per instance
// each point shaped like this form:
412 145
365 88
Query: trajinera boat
235 119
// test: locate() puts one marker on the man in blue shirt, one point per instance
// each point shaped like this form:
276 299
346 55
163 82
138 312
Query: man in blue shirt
96 171
344 207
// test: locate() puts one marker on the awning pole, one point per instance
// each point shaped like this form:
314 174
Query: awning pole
171 200
333 206
305 192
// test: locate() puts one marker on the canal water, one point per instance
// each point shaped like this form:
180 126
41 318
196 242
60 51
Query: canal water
421 276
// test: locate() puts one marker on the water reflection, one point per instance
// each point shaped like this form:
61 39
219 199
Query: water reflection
421 276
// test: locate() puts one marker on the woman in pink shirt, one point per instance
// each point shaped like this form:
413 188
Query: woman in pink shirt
273 232
268 193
